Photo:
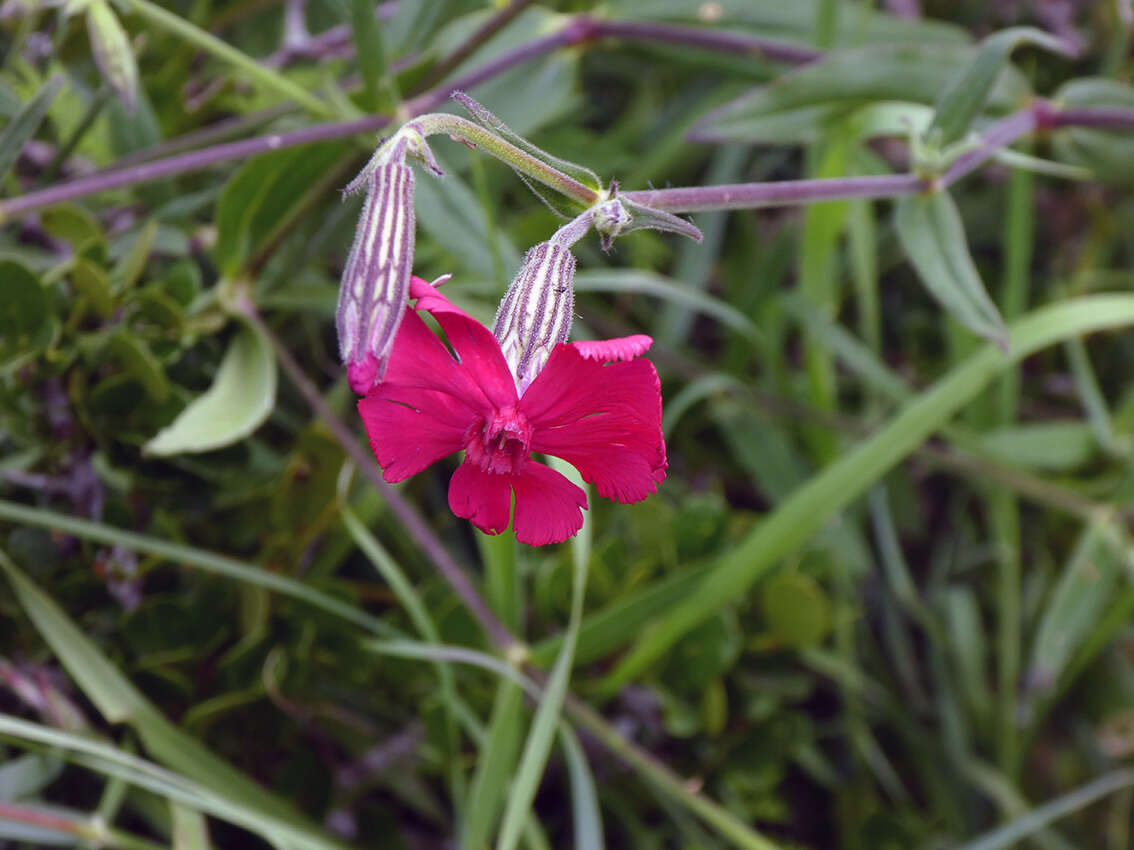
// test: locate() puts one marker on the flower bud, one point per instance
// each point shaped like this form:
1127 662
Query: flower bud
537 310
375 284
611 220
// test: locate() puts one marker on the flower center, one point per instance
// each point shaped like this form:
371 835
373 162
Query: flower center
500 445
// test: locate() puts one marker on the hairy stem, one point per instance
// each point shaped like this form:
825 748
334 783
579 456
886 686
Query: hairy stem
464 130
742 196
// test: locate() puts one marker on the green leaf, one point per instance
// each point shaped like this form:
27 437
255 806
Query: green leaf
448 209
190 832
796 610
931 232
546 720
1012 833
28 775
494 765
240 399
614 625
261 198
797 106
130 267
73 224
25 311
371 52
793 20
113 53
804 513
586 815
139 362
1085 588
962 100
111 692
92 282
1051 446
19 131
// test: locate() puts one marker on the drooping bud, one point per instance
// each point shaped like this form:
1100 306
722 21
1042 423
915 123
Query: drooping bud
536 313
375 284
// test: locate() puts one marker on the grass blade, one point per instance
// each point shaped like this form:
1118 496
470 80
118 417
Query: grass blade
542 733
19 130
1041 816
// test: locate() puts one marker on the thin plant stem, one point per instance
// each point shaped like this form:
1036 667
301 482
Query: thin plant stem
412 521
1099 117
263 75
719 41
145 172
465 130
746 196
1000 135
665 780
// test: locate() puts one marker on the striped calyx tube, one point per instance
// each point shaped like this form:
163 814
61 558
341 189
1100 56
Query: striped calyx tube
375 283
536 313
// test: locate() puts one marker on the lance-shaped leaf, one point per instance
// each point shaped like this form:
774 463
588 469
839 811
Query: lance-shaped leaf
933 237
240 399
113 53
19 130
960 102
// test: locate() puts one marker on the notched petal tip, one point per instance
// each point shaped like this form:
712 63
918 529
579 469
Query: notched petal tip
612 350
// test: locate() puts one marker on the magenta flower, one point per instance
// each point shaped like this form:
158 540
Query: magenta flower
594 404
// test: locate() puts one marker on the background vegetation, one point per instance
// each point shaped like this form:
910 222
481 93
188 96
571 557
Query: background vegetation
883 599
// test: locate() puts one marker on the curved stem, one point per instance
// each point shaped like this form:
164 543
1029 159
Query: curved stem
467 131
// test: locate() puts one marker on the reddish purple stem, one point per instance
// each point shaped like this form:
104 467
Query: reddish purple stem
740 196
583 29
725 42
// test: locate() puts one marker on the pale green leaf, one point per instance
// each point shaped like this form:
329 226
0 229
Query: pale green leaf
240 399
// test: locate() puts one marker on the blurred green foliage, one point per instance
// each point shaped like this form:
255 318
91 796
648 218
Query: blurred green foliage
943 656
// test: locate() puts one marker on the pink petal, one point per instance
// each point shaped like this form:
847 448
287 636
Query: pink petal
609 350
549 508
474 344
483 498
411 428
420 360
605 420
